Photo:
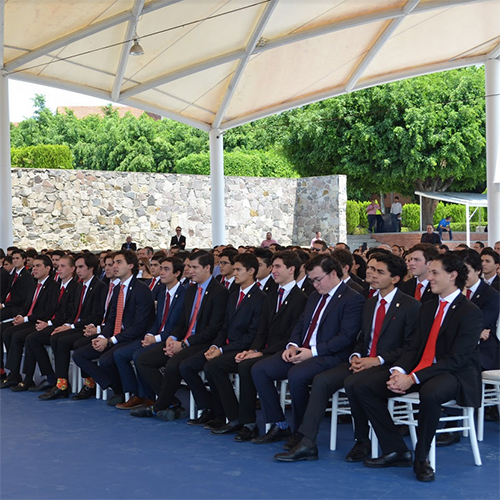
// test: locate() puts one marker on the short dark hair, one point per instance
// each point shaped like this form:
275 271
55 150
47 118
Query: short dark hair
45 260
70 259
480 243
361 273
130 258
472 258
158 256
230 253
8 258
289 258
344 257
22 253
204 259
322 243
58 252
492 253
91 260
452 262
326 263
149 249
430 252
395 265
444 247
248 261
109 255
302 255
177 265
265 254
346 246
375 250
31 252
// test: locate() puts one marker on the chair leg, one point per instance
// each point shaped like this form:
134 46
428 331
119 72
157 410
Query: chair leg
333 424
473 437
432 454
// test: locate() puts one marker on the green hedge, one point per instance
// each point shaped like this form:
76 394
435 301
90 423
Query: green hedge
352 216
411 216
42 156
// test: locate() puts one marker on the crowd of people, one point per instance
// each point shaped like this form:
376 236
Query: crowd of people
377 322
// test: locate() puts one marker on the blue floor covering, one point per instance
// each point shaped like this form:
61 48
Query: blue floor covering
87 450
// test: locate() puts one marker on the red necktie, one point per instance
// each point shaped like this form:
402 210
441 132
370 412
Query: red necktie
242 296
281 291
165 312
379 320
61 293
110 293
35 298
56 276
468 293
195 313
430 347
226 283
84 287
314 321
371 292
13 281
259 284
119 311
152 284
418 291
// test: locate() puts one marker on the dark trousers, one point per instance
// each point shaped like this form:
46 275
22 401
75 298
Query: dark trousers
131 381
372 222
105 373
265 372
373 395
35 352
14 338
62 344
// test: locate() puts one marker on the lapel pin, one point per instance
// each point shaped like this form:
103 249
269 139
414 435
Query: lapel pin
397 305
248 295
286 302
453 307
206 293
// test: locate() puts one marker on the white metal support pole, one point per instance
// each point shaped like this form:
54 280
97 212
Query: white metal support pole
492 67
420 197
217 183
5 170
467 224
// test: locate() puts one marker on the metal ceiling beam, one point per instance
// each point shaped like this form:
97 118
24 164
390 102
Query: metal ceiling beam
242 64
125 52
494 53
2 32
82 33
379 43
327 94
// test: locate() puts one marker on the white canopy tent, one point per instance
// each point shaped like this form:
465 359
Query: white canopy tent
217 64
470 200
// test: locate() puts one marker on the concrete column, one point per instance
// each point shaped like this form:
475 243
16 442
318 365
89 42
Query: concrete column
493 148
6 236
217 184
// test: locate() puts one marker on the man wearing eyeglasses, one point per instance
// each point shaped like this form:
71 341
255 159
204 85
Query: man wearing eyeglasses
226 276
321 340
319 246
178 239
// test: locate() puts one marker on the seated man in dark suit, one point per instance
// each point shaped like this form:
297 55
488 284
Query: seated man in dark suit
155 284
131 314
237 334
226 276
441 364
170 304
39 306
430 236
280 312
387 326
421 256
201 320
178 239
5 277
346 262
490 261
264 279
129 244
321 339
90 297
303 282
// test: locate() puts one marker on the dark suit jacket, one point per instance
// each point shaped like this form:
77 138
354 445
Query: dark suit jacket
275 328
20 291
241 323
488 300
133 246
174 312
357 288
65 309
430 238
307 287
271 285
409 287
181 241
457 350
138 312
4 284
157 289
46 302
496 283
210 316
93 305
339 325
359 281
234 286
397 329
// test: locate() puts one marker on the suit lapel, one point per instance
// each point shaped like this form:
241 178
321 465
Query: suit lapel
395 304
333 302
450 313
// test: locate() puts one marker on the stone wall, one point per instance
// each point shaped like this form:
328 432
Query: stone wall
96 210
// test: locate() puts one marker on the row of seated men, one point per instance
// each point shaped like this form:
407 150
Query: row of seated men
432 334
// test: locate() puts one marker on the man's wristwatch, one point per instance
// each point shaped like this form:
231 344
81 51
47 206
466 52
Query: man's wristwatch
110 343
183 345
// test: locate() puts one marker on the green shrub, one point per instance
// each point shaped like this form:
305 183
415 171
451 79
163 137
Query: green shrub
352 216
363 217
461 226
42 156
411 216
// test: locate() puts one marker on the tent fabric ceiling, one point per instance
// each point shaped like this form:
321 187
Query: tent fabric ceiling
472 199
222 63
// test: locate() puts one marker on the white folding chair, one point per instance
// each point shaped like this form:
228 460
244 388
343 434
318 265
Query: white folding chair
491 397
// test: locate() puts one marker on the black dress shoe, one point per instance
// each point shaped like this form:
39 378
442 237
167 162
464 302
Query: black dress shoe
214 424
10 382
359 452
390 460
272 435
55 393
205 417
42 386
21 387
229 428
246 434
85 393
118 398
424 471
171 414
292 441
297 453
144 412
491 413
447 438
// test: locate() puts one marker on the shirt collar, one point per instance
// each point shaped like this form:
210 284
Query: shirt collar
174 289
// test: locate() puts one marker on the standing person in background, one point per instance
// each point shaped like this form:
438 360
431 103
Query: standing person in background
316 238
372 210
178 239
268 241
397 211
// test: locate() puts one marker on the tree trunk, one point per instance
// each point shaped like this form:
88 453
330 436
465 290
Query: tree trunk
429 204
